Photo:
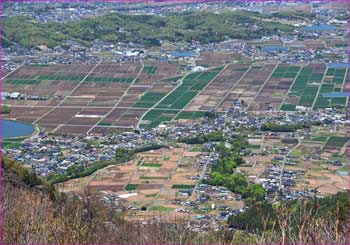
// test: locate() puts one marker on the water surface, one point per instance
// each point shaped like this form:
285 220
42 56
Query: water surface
320 28
11 129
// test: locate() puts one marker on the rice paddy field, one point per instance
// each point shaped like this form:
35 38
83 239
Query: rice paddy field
101 98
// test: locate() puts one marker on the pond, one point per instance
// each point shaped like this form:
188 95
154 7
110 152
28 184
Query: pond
336 94
182 54
320 28
274 48
11 129
338 65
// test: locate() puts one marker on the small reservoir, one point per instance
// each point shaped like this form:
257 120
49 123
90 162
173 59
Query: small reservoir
11 129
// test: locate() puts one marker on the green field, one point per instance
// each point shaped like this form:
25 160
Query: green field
182 186
257 147
76 78
152 165
190 115
321 138
110 79
149 99
22 81
288 107
171 79
156 116
161 208
177 99
104 124
150 70
197 149
285 72
190 87
305 88
308 96
131 187
334 83
150 195
336 141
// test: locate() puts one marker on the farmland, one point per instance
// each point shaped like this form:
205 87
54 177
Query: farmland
311 157
155 177
101 98
311 85
179 97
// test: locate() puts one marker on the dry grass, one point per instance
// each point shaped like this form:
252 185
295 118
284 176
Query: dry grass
31 217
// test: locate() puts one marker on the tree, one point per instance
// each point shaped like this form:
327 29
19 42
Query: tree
254 193
254 218
216 178
236 183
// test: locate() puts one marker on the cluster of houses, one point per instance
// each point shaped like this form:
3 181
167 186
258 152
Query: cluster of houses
54 154
48 154
20 96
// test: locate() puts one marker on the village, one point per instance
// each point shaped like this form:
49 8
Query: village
282 163
166 132
318 39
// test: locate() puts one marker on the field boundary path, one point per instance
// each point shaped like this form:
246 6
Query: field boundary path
2 79
233 87
291 86
69 94
319 88
204 170
165 183
178 85
219 73
155 105
120 99
262 86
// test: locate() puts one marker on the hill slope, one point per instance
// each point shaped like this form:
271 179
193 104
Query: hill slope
33 213
148 30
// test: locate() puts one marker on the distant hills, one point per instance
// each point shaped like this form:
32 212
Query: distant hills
147 30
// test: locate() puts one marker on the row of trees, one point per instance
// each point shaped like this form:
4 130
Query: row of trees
205 138
79 171
275 127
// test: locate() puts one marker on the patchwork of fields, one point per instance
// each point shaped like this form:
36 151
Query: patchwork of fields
87 98
151 180
312 84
